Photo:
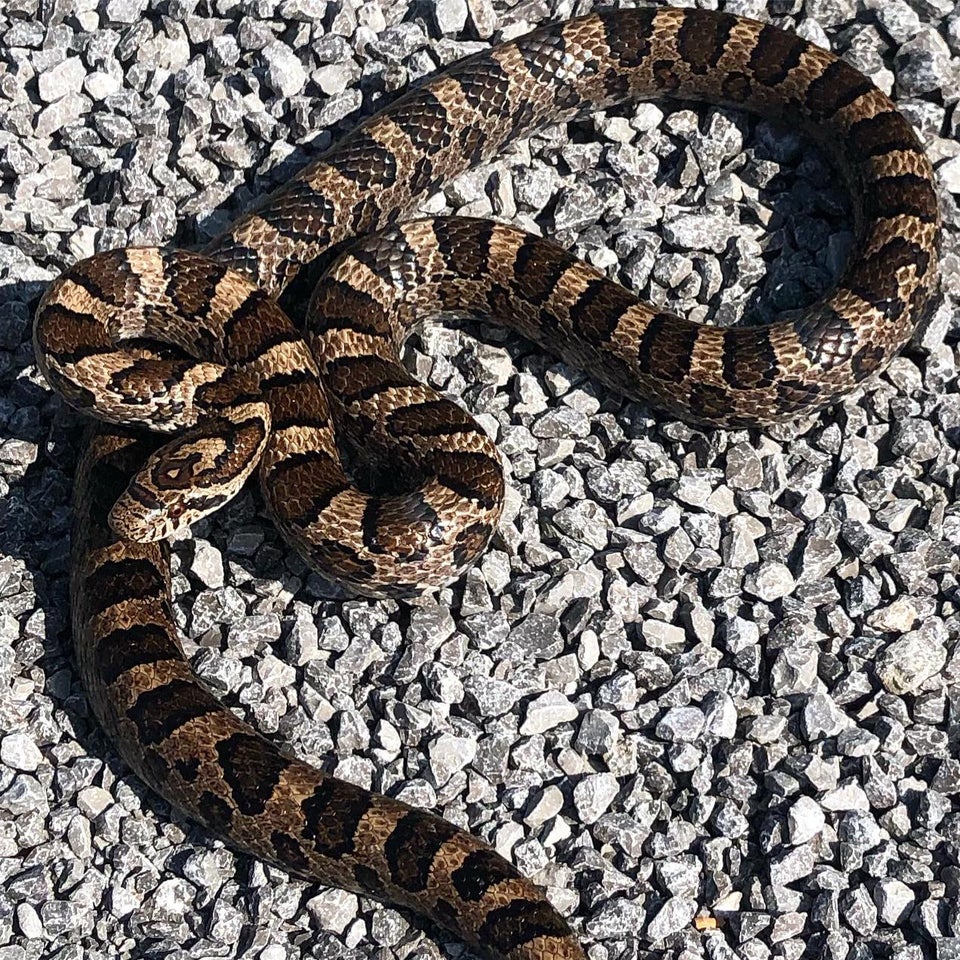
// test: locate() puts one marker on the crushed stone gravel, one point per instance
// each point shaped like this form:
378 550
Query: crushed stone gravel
698 674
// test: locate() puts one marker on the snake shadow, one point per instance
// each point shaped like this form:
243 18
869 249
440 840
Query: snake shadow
36 457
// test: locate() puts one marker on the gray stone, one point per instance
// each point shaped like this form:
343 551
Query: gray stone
744 468
832 13
28 921
304 11
443 684
549 710
699 232
822 718
66 918
618 693
730 822
286 75
451 16
207 564
593 795
538 635
681 724
772 581
65 77
125 11
431 626
547 805
599 732
585 522
352 733
493 697
672 269
549 488
894 900
23 795
949 174
626 832
914 438
20 752
61 113
675 915
820 557
720 717
740 544
224 51
910 661
794 671
898 19
792 865
334 909
922 62
849 796
805 820
859 911
859 829
857 742
534 186
662 636
449 754
616 919
221 672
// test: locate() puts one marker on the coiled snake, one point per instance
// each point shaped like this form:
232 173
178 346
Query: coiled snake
244 387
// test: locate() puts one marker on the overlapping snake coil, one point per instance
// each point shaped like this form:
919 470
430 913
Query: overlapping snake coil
244 387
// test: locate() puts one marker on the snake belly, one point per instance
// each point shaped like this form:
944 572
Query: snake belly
173 733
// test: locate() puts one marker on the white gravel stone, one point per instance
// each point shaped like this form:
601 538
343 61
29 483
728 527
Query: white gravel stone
772 581
910 661
546 712
894 900
285 73
124 11
65 77
334 909
949 173
681 724
449 755
806 820
721 718
20 752
547 806
675 915
793 865
28 922
823 718
593 795
451 15
92 801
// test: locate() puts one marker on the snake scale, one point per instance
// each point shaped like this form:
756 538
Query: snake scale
197 343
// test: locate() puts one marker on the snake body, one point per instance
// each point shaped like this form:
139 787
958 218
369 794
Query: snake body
244 386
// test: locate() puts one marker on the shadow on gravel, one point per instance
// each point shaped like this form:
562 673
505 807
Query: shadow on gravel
34 481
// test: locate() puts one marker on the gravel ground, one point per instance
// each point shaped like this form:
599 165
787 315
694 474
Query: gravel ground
696 673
